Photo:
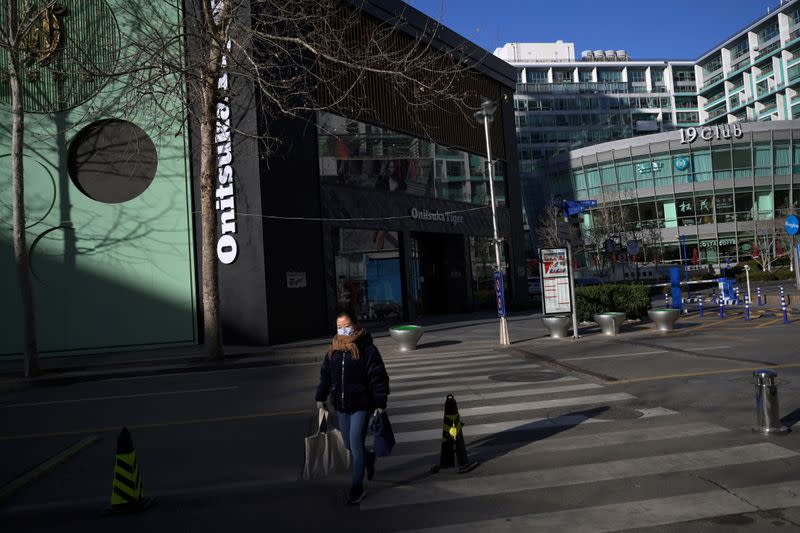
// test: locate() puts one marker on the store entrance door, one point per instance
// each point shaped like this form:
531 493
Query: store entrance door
442 278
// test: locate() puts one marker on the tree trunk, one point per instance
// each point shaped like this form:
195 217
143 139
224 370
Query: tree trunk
30 350
212 331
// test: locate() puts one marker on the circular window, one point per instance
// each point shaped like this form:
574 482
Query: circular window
112 161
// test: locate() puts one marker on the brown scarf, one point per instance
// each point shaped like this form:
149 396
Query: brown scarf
347 343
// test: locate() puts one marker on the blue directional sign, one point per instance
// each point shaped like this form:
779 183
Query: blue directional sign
499 293
572 207
587 203
792 225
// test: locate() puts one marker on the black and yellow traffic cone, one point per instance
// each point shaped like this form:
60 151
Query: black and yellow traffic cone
127 494
454 451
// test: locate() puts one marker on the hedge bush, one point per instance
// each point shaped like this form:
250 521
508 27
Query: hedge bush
633 300
756 275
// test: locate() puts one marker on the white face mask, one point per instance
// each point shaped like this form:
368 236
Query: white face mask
345 331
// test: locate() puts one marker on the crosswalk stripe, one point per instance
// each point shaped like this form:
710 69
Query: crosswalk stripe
473 384
451 381
485 370
434 355
471 430
613 517
452 365
453 361
477 395
516 407
575 474
593 440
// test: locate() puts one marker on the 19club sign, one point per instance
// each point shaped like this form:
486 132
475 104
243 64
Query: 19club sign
555 280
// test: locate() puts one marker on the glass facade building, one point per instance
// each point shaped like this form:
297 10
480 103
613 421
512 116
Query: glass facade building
564 102
370 268
727 193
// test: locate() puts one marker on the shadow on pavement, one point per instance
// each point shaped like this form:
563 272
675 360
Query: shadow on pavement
437 344
499 444
791 419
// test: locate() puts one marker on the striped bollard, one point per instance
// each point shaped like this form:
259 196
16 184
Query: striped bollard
783 294
783 308
701 307
746 308
759 297
714 296
721 308
666 300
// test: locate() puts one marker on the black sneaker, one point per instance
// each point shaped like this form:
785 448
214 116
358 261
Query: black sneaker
356 495
370 465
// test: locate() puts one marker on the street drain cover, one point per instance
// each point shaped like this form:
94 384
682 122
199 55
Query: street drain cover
602 412
620 413
526 377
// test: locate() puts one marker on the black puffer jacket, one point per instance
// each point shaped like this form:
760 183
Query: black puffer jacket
354 384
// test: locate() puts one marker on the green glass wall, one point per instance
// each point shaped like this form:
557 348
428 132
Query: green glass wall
106 275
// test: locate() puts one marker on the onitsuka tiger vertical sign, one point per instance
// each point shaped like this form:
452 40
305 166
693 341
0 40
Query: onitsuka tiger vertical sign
227 247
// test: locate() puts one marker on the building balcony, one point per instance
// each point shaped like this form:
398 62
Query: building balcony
718 112
740 62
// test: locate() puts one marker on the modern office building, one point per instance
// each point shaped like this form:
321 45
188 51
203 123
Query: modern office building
724 189
359 208
565 101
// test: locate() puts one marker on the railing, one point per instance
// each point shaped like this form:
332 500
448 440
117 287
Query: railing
717 112
745 58
794 35
769 48
714 79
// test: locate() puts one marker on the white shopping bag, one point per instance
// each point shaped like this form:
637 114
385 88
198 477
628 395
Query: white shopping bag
326 453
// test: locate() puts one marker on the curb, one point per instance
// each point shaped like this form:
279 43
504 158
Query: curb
59 377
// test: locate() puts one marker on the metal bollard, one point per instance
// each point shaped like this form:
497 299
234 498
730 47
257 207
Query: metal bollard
701 307
721 308
746 308
767 408
759 297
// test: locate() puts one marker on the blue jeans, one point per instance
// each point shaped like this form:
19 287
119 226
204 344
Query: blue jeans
354 431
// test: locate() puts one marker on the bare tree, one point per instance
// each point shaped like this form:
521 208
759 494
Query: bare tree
297 57
15 41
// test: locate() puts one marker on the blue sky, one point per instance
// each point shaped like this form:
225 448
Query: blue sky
647 29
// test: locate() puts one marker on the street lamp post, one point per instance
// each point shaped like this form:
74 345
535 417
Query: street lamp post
485 115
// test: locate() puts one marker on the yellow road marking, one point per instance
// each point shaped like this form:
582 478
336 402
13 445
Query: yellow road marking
154 425
29 476
696 374
773 321
715 323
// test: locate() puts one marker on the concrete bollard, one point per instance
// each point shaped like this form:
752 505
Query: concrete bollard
767 408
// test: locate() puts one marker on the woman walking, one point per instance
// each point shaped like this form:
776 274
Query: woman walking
354 376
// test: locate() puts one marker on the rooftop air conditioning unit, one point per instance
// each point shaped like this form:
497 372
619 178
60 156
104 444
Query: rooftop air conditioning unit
586 55
622 55
598 55
610 56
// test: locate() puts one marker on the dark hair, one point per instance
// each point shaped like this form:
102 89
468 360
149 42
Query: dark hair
349 315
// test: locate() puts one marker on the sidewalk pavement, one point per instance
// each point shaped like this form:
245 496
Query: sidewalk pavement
65 369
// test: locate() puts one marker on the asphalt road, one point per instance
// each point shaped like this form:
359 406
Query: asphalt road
644 432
